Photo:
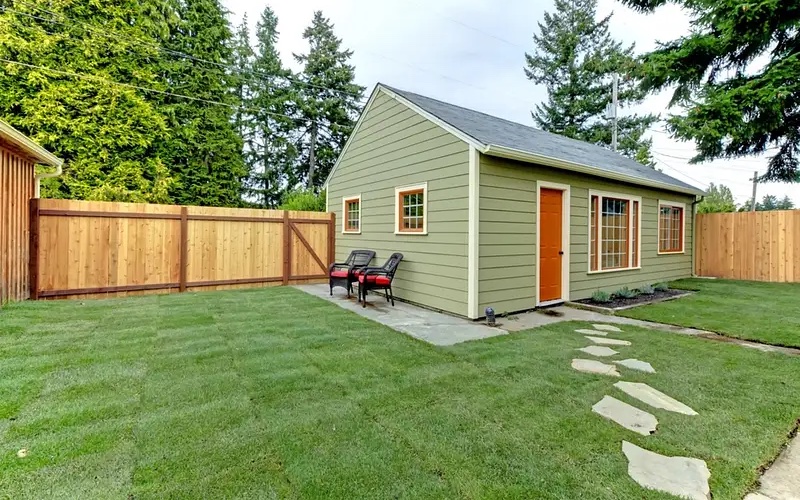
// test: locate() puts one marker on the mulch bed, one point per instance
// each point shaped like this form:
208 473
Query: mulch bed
641 299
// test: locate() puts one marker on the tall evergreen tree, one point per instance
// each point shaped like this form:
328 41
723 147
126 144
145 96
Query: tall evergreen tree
734 108
205 152
328 99
271 152
106 133
243 57
575 58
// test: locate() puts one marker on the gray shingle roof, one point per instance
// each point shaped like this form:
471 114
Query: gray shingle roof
490 130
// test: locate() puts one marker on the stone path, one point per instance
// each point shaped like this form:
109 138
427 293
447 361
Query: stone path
626 415
635 364
592 366
681 476
600 351
654 398
607 341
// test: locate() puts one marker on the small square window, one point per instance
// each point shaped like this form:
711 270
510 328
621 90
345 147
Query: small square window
411 203
351 214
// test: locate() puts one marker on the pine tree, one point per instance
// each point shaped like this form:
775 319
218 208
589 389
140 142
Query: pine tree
271 153
243 57
328 99
575 58
734 108
106 133
205 151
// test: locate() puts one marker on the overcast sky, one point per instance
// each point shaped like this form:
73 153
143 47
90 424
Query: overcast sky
471 53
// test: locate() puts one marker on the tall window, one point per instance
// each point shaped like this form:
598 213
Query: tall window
411 210
614 232
670 227
351 213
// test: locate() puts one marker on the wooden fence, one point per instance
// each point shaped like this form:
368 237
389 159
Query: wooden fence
761 246
81 248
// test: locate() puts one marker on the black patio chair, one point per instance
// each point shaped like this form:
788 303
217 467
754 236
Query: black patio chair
343 274
378 278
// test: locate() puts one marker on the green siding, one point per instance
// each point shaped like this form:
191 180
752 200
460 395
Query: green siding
396 147
507 262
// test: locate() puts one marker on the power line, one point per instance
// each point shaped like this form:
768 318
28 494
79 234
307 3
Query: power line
704 184
155 46
145 89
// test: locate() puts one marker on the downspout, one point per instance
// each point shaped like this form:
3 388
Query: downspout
48 175
697 199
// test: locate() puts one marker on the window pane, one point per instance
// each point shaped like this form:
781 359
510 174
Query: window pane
670 235
614 233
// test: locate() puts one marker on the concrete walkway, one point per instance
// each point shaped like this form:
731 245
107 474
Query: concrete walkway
536 319
423 324
782 480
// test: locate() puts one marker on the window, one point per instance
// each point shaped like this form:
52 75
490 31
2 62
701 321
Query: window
614 232
411 210
351 214
670 227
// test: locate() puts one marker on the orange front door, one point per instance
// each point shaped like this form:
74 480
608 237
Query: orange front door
550 251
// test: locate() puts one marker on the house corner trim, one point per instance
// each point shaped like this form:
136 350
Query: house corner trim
473 233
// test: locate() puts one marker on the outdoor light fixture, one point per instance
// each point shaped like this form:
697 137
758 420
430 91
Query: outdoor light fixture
490 316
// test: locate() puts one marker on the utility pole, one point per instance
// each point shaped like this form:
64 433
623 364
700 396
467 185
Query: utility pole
611 110
755 187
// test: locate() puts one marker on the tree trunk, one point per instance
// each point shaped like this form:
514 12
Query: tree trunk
312 157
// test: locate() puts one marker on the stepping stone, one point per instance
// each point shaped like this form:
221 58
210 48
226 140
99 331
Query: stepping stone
679 476
591 332
654 398
635 364
596 350
604 341
592 366
608 328
627 416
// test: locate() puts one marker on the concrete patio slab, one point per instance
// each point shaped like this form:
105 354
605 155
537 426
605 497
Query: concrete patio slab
596 367
679 476
423 324
635 364
782 480
627 416
605 341
653 397
596 350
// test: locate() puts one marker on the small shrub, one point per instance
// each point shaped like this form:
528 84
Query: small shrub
661 287
601 297
626 293
304 200
647 290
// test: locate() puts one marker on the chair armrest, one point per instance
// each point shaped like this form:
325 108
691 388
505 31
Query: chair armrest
337 264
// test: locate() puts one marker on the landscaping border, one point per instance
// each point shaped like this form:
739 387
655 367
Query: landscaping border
613 310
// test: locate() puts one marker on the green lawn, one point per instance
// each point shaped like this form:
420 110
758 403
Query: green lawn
751 310
272 393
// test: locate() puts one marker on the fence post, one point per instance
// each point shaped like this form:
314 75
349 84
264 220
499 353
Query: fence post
332 239
184 247
33 249
287 248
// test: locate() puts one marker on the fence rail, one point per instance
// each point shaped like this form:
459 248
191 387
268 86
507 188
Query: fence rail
81 248
760 246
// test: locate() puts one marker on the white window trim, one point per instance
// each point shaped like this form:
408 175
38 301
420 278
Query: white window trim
397 191
566 203
676 204
622 196
345 199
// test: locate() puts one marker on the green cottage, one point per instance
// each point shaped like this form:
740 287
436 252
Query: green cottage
489 212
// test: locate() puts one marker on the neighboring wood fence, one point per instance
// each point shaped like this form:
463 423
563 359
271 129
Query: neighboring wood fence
761 246
81 248
16 188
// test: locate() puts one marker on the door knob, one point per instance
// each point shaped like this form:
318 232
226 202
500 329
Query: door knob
561 252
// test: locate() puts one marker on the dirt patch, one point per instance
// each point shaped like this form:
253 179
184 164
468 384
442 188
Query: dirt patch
617 303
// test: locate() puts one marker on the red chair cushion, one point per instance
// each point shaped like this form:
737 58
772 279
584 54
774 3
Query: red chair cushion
338 274
378 280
